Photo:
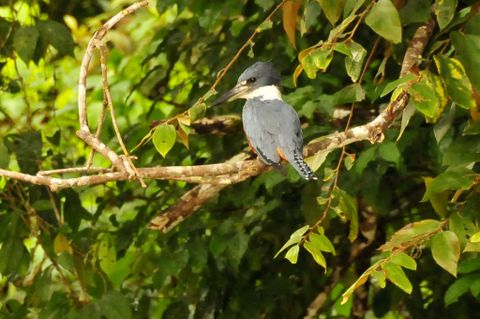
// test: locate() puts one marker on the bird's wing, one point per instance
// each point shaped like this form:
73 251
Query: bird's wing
271 125
261 137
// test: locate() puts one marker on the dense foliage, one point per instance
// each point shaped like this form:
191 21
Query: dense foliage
389 231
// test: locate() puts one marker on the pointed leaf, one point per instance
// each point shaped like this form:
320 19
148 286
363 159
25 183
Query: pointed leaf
397 276
446 251
332 9
399 83
322 242
411 232
294 239
316 254
384 19
289 18
445 10
354 62
459 88
25 42
292 254
467 46
404 260
164 138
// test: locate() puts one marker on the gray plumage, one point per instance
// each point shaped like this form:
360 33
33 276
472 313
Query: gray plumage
271 125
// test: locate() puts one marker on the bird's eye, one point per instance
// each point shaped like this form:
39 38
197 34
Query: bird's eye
251 80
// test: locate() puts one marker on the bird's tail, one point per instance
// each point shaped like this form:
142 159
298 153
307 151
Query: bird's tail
301 167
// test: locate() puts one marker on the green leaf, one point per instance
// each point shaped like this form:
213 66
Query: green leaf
349 94
395 274
25 42
354 62
115 306
56 34
446 251
294 239
321 58
459 288
164 138
107 254
445 11
322 242
412 232
417 11
475 238
332 9
467 47
399 83
389 152
4 156
348 206
316 254
404 260
378 277
384 20
424 98
457 178
292 254
196 111
459 88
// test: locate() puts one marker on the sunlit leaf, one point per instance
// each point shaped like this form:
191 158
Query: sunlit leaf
289 18
384 19
412 232
446 251
397 276
354 61
61 244
379 278
452 179
294 238
316 254
322 242
332 9
399 83
292 254
459 88
467 47
164 138
404 260
445 10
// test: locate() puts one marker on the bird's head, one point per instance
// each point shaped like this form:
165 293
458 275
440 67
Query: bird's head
259 80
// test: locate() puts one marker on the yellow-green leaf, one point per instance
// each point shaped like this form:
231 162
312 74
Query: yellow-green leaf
446 251
354 62
384 19
316 254
445 11
404 260
475 238
378 277
292 254
459 88
322 242
397 276
164 138
412 232
332 9
294 239
61 244
289 19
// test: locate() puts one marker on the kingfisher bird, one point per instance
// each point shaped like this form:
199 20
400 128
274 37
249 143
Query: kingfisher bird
271 125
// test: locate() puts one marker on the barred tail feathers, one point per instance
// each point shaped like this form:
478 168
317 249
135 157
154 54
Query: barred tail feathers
301 167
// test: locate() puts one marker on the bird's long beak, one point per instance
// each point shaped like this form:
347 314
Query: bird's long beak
231 95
